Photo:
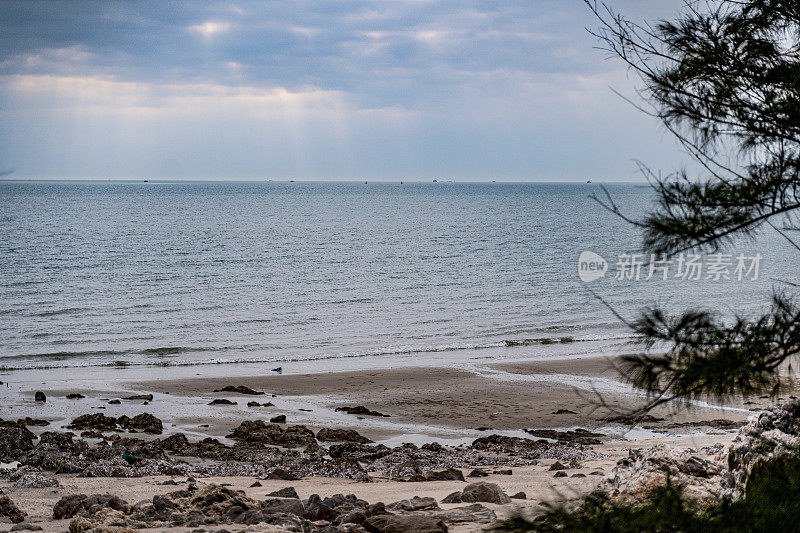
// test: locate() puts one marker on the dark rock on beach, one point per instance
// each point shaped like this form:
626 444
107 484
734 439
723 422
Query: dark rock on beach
342 435
221 401
75 396
259 431
280 473
98 421
580 436
241 389
145 397
358 451
14 443
82 504
360 410
479 492
279 419
142 422
39 397
10 510
410 523
256 404
484 492
286 492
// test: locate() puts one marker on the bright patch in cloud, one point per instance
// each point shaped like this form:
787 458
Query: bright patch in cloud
210 28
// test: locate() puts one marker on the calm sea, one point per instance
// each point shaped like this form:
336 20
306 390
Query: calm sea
124 273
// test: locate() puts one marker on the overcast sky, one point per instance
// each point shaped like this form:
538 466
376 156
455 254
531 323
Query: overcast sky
346 89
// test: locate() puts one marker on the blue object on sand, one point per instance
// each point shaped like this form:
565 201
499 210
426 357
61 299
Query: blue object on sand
279 370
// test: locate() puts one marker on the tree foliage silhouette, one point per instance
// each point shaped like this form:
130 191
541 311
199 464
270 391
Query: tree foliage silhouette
723 77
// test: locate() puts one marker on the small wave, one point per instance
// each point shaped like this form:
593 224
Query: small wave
57 356
174 350
66 311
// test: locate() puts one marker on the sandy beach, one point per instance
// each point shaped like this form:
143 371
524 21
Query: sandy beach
428 406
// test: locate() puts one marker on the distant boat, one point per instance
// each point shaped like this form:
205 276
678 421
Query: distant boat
436 181
291 181
146 181
588 181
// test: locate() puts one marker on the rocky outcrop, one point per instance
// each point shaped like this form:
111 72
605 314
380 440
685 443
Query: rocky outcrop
643 470
259 431
100 422
773 434
87 505
14 443
39 396
342 435
143 422
27 477
240 389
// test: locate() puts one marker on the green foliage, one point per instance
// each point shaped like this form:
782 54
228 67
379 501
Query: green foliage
724 78
771 503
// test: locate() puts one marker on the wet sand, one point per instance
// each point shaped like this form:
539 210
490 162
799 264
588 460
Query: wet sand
507 396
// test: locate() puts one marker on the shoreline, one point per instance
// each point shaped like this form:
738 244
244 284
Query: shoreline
424 404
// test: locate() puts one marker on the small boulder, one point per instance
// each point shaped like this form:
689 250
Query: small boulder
280 473
145 397
10 510
279 419
560 473
39 396
451 474
478 473
484 492
221 401
453 497
283 505
286 492
519 496
557 466
145 422
75 396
